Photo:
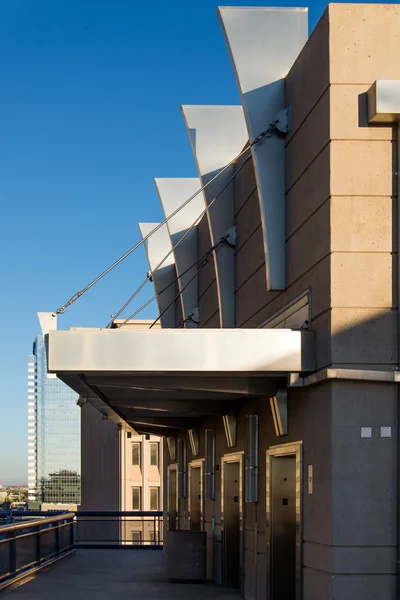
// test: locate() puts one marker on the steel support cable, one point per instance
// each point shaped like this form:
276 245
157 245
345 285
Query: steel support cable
146 304
193 225
206 260
61 309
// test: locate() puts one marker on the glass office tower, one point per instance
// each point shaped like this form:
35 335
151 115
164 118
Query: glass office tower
54 453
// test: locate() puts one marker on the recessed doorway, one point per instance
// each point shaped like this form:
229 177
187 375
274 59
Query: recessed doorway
172 498
196 495
232 520
283 479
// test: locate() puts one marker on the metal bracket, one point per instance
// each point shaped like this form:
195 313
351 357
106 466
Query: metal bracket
229 422
81 401
231 236
279 412
194 441
282 121
171 443
195 315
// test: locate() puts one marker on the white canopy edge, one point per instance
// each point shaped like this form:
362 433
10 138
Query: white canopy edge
191 351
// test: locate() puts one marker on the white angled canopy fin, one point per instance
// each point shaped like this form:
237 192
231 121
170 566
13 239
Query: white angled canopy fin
157 247
173 193
217 135
263 44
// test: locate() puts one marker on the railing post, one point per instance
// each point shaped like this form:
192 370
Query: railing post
13 554
38 553
72 531
155 535
57 532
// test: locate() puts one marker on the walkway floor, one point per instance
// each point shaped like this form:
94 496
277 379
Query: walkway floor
115 575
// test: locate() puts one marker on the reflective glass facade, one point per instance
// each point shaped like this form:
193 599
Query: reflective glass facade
54 453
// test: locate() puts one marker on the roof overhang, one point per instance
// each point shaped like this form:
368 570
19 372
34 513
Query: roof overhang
169 378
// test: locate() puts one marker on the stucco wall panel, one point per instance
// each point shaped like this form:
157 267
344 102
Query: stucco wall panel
100 478
309 73
363 280
213 322
323 347
355 404
362 39
349 117
364 469
362 168
310 419
363 224
309 245
364 336
317 585
249 258
309 140
309 192
251 296
247 220
317 280
208 303
367 585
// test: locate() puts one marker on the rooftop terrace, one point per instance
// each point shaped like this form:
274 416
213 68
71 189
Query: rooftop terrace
116 574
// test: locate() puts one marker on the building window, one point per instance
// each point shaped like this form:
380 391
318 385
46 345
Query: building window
136 451
154 454
136 537
136 498
154 498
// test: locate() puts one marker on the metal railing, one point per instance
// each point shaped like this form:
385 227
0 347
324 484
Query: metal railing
119 529
30 540
30 544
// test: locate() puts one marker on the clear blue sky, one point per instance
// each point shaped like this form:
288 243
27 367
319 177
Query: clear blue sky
89 115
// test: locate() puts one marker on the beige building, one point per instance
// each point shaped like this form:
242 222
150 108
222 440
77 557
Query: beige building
275 380
121 471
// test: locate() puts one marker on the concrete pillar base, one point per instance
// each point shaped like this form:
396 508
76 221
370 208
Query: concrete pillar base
185 556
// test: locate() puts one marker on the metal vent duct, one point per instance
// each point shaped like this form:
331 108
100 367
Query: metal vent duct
171 443
209 477
182 468
251 458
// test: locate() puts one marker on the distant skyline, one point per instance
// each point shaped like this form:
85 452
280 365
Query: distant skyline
90 114
11 484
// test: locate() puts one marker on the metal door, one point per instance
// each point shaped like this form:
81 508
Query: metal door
196 495
172 498
232 550
284 519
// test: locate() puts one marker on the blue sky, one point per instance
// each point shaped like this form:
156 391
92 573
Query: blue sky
89 115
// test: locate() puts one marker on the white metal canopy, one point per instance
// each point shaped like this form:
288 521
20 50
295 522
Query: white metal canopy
166 378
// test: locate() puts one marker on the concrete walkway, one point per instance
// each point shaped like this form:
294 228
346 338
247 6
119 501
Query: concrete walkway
115 575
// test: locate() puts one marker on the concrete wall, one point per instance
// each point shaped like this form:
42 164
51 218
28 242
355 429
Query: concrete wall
307 204
341 245
108 476
315 434
363 48
100 461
